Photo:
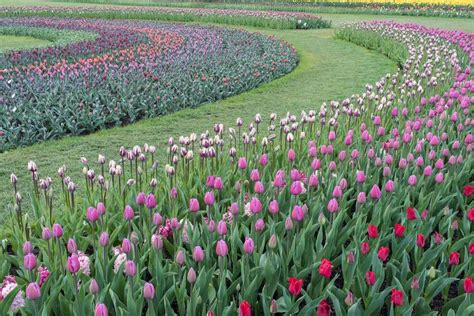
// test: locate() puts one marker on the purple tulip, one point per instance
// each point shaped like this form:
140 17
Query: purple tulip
198 254
33 291
249 246
148 291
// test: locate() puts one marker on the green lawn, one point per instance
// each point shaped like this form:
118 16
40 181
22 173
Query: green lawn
9 42
329 69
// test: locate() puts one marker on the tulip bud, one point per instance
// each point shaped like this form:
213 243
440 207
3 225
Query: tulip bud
27 247
101 310
222 228
57 231
73 264
179 257
198 254
104 239
288 224
71 246
128 213
33 291
221 248
191 276
130 268
273 306
272 242
349 300
94 287
29 261
148 291
157 219
194 205
46 234
249 245
156 242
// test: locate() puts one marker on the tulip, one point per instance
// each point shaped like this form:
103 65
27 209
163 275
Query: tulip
259 225
150 201
454 258
191 276
27 247
209 198
194 205
198 254
156 242
73 264
101 310
180 257
33 291
221 248
94 287
128 213
469 285
411 215
420 240
372 231
29 261
222 228
297 214
361 199
57 231
370 278
141 198
104 239
130 268
245 309
360 177
242 163
397 297
325 268
148 291
46 233
364 248
294 286
71 246
101 208
333 206
296 188
263 160
375 192
126 246
273 208
157 219
383 253
288 224
415 284
324 309
349 300
218 185
399 230
249 245
255 205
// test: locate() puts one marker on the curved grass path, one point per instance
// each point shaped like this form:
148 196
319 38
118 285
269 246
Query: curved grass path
328 69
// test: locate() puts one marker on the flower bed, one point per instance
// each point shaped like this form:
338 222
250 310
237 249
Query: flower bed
132 70
362 207
267 19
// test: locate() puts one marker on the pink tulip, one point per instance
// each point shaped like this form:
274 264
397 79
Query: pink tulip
29 261
148 291
71 246
242 163
209 198
259 225
150 201
222 228
255 205
156 242
130 268
73 264
100 208
141 198
375 192
101 310
57 231
198 254
273 208
249 245
333 206
92 214
297 214
33 291
128 213
221 248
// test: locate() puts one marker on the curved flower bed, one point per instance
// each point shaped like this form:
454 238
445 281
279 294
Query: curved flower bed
132 70
362 208
268 19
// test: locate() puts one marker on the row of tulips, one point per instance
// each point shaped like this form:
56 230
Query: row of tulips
264 18
129 71
363 208
410 8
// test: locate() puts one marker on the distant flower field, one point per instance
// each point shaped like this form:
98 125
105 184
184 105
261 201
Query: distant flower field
125 72
361 206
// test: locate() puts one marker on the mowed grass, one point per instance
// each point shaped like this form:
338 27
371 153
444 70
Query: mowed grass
11 42
329 69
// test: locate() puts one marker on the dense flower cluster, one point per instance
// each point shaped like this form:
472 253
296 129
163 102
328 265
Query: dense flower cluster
265 18
363 207
131 70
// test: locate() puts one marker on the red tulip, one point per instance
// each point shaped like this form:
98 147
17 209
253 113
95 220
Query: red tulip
370 278
324 309
420 240
468 190
364 248
399 230
470 214
397 297
411 214
372 231
294 286
454 258
383 253
245 309
469 285
325 268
